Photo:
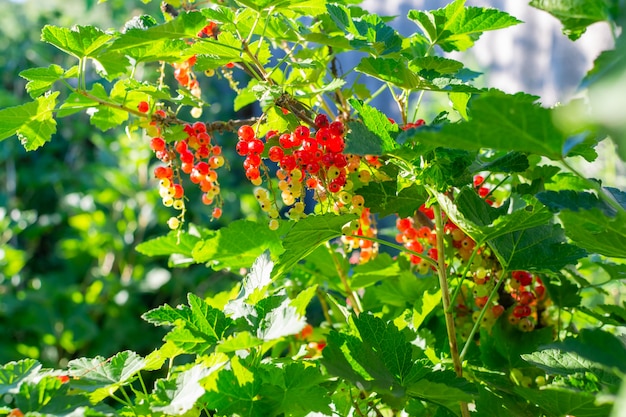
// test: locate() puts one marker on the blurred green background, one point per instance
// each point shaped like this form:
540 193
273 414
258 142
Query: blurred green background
71 282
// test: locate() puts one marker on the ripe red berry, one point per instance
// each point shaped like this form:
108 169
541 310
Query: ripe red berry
276 153
523 277
246 133
143 107
321 120
521 311
157 144
302 132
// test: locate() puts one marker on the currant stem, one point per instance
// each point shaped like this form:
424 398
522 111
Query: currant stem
445 299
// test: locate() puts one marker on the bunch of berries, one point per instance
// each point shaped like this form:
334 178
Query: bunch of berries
356 231
194 156
305 160
529 294
417 234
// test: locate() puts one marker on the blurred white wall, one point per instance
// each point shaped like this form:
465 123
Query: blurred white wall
534 56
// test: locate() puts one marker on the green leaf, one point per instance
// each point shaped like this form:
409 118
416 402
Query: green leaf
32 122
596 232
511 162
501 122
225 49
80 41
441 391
198 326
401 74
237 245
185 25
424 306
240 341
377 124
102 377
377 36
456 27
384 199
484 223
34 396
597 346
537 248
556 362
562 292
176 397
506 343
380 357
576 15
306 235
281 321
13 374
561 402
173 243
40 80
254 288
378 269
295 382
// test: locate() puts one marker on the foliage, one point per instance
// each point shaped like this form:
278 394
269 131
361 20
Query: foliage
493 297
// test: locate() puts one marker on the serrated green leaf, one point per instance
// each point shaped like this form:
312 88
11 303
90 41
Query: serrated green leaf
237 245
445 394
561 402
111 65
13 374
80 41
198 326
225 49
227 397
380 358
496 354
562 292
556 362
484 223
384 199
598 346
286 389
389 70
101 377
502 122
576 15
306 235
32 122
176 397
281 321
511 162
456 27
241 340
596 232
377 123
375 34
35 396
424 306
40 80
173 243
369 273
185 25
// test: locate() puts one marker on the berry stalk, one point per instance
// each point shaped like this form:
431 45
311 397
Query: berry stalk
445 299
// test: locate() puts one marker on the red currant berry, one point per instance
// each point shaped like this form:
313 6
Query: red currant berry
143 107
523 277
276 153
157 144
321 120
246 133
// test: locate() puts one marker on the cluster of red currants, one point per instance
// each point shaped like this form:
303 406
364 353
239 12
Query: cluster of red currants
194 156
305 160
528 292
